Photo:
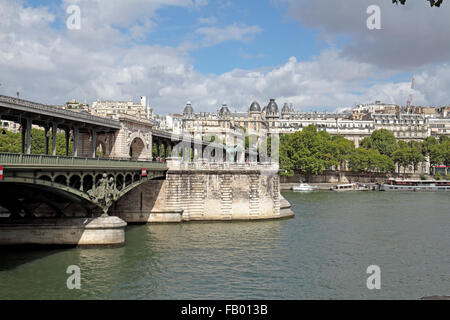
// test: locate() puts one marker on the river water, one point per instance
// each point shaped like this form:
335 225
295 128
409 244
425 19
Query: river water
322 253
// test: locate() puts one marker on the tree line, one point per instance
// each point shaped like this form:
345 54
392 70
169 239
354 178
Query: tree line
11 142
312 152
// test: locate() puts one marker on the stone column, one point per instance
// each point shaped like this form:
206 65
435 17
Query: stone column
167 150
253 149
54 130
67 135
29 123
94 142
75 141
159 149
195 153
23 131
46 133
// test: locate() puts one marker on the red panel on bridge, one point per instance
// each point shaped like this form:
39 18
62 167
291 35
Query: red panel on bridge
1 173
144 172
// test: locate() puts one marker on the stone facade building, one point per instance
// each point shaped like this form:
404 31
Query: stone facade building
407 123
112 109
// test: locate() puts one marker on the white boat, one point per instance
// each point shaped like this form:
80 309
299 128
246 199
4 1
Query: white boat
415 185
303 187
345 187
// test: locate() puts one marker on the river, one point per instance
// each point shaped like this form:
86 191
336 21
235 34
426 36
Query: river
322 253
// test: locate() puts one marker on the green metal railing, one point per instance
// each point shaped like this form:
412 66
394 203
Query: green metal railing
25 160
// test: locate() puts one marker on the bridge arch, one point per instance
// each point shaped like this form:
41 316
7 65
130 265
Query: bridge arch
138 148
97 183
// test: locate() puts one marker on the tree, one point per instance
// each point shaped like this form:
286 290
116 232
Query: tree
382 140
308 151
427 144
342 149
440 153
402 157
433 3
416 157
286 152
11 142
370 160
412 151
359 160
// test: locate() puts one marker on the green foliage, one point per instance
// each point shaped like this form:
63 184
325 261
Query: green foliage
154 151
423 177
342 149
11 142
427 144
440 153
382 140
402 157
311 151
408 154
370 160
438 176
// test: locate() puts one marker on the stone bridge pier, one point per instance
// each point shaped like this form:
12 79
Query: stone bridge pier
201 191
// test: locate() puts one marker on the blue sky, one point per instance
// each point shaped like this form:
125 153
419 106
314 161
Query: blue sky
280 37
314 54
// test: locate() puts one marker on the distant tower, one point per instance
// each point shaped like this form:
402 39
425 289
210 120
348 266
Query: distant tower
145 104
409 102
286 111
272 110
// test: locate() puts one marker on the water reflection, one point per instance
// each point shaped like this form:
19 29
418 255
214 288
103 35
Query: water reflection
322 253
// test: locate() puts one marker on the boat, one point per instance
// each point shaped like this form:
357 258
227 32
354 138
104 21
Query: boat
415 185
303 187
363 187
345 187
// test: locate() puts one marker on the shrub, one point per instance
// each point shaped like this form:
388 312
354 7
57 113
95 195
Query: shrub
438 176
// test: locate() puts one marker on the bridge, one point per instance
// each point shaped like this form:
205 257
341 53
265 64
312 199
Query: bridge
87 194
125 138
29 181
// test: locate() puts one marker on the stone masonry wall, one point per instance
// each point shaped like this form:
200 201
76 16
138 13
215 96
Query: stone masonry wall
205 192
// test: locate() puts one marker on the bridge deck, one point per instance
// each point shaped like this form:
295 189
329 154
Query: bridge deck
34 161
13 109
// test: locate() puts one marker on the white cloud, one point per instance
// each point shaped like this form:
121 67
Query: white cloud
411 36
234 32
54 66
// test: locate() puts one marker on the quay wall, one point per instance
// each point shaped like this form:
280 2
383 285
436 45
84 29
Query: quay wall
207 191
335 177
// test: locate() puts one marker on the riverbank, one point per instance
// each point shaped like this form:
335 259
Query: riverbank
341 177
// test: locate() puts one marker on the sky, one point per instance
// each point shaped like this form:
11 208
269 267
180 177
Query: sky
317 55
